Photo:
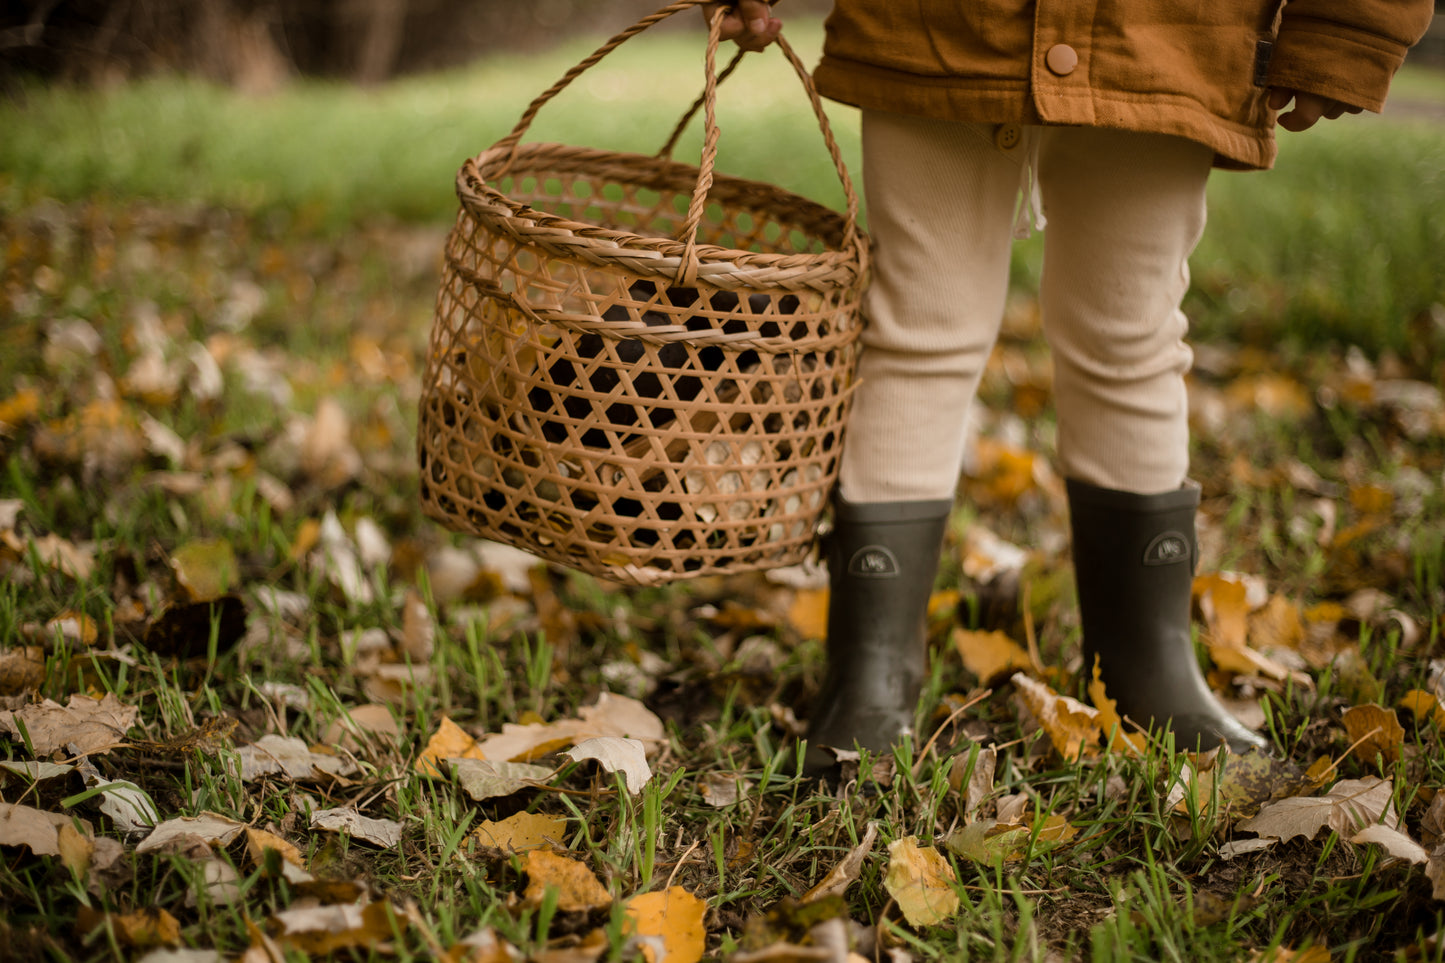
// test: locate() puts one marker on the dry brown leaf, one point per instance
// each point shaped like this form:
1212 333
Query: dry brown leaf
484 779
1374 731
578 890
974 783
385 833
1435 872
843 875
1278 624
418 629
361 724
1071 726
613 754
184 832
83 725
293 758
611 715
921 882
668 925
22 669
320 930
990 656
521 832
483 946
142 929
1393 841
1349 807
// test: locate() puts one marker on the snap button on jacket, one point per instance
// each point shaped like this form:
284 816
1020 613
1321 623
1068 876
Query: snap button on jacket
1194 68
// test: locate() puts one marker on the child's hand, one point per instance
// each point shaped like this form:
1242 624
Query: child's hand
749 22
1308 108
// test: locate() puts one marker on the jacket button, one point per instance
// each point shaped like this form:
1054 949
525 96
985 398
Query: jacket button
1062 59
1007 136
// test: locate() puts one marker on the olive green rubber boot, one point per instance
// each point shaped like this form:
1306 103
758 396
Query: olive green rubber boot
1134 560
882 559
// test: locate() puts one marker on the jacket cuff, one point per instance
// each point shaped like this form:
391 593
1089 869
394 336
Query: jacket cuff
1327 59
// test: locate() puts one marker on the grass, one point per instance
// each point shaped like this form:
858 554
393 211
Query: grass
1277 261
163 214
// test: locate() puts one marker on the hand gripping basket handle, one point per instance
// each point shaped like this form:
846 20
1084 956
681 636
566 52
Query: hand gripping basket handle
687 271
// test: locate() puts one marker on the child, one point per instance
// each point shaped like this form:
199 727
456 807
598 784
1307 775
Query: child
1108 118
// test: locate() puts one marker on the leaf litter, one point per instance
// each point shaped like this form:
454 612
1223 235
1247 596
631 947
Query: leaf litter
388 658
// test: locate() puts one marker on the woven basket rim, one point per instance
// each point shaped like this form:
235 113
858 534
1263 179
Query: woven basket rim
653 256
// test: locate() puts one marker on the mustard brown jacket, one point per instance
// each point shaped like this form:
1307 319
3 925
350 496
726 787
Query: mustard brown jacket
1194 68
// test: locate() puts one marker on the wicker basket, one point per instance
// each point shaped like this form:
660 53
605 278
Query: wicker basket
637 368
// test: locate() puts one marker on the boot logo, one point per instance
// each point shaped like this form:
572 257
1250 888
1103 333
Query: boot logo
1166 549
873 561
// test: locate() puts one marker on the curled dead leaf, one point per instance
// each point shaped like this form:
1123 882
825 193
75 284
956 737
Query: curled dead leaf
921 882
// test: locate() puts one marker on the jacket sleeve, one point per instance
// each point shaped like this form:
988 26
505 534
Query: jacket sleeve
1346 50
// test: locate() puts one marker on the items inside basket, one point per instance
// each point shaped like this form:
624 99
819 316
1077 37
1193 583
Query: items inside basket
644 382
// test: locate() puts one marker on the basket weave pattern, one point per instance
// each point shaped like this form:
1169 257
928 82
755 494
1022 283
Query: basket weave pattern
618 400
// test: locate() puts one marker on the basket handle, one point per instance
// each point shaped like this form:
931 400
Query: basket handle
687 270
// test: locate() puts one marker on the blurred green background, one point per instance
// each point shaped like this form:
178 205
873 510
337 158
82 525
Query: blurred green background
1342 242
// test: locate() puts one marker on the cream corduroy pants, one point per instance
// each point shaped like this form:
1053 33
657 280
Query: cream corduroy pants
1123 211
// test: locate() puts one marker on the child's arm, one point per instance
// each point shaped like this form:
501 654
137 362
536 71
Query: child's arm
1337 56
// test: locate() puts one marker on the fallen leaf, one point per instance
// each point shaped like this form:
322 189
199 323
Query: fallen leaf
142 929
990 656
721 790
385 833
843 875
283 755
205 568
1350 806
521 832
921 881
83 725
22 670
485 779
259 842
972 775
627 756
808 613
578 890
184 832
1071 726
1111 724
450 741
1374 732
667 925
1393 841
322 930
1424 705
362 724
483 946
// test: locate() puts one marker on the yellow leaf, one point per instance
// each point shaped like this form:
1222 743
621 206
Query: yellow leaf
19 408
1116 731
808 614
921 881
450 741
1424 705
1278 624
668 925
990 656
77 628
1371 499
307 535
1225 602
1071 726
521 832
1374 731
76 849
142 929
577 889
259 841
205 568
